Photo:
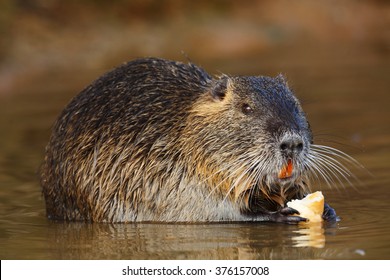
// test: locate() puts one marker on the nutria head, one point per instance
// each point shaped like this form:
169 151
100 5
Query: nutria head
252 141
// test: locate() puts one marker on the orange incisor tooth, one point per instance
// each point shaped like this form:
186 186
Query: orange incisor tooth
286 170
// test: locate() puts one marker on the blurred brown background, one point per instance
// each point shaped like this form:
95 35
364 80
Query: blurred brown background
45 40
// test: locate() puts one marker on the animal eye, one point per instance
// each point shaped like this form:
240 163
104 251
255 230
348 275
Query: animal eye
246 109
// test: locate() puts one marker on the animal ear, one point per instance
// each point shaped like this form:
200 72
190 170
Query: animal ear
281 79
219 90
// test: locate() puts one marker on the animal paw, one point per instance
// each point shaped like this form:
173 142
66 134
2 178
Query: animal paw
285 215
329 214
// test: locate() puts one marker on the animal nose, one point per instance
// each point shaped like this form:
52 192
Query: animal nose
291 145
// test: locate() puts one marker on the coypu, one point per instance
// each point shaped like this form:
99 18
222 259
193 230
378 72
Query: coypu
163 141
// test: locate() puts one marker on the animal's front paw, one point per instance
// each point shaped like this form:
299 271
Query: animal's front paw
329 214
285 215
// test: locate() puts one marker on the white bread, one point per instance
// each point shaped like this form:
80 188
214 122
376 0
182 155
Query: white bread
311 207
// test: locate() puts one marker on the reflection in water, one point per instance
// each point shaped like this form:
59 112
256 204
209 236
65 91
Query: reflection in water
184 241
310 235
142 241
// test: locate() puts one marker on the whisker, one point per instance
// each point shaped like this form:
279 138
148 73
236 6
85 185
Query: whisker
245 172
328 163
232 170
336 152
339 167
317 169
333 171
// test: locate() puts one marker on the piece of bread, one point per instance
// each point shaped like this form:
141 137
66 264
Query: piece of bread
311 207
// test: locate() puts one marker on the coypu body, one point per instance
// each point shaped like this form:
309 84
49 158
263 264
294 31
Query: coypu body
163 141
